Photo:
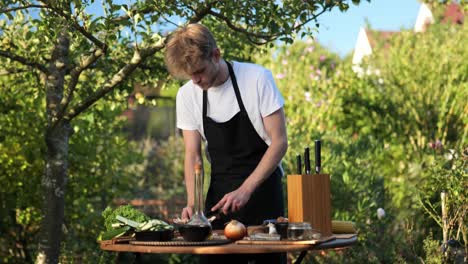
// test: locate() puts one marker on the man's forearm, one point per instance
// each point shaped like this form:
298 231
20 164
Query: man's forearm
189 165
267 165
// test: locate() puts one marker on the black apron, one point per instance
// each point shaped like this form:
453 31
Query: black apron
235 149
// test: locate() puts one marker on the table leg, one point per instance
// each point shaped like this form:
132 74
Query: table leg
301 257
137 258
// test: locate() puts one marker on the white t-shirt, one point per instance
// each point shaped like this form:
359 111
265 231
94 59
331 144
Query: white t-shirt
258 91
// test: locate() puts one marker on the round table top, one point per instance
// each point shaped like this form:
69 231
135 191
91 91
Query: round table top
233 248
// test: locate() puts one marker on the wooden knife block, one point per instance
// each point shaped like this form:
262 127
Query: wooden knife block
309 201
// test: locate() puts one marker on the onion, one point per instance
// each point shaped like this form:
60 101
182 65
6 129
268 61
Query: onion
235 230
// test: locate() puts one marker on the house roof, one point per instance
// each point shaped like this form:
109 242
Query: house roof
376 37
453 14
369 39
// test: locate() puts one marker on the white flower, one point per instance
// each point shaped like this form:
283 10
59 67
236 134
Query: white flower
450 155
307 96
380 213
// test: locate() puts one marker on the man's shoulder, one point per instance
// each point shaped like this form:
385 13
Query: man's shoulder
186 90
251 68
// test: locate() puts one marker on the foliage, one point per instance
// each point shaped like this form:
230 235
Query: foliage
163 173
432 249
21 164
447 172
98 173
375 129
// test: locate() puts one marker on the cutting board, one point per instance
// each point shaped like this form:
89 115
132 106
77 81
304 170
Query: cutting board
284 242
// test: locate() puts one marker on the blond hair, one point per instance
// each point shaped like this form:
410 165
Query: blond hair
187 47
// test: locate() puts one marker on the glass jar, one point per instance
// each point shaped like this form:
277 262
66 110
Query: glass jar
300 231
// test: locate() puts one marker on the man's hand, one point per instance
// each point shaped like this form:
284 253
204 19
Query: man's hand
233 201
187 213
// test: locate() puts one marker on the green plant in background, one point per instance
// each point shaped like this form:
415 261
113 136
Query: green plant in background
443 195
375 129
163 168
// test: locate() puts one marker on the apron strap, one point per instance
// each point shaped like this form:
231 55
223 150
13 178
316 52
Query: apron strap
236 87
205 102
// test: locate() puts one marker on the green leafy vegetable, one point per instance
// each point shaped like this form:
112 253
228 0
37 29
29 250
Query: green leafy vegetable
118 232
127 211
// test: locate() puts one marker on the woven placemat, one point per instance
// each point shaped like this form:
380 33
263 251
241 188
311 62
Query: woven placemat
181 242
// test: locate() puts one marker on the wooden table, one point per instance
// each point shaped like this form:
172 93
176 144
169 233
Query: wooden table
340 241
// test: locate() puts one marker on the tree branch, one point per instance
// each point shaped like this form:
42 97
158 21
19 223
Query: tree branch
138 57
56 77
266 37
7 10
4 72
75 74
60 12
23 61
144 11
80 29
200 14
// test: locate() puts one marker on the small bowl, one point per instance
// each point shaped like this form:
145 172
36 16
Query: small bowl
160 235
194 233
282 229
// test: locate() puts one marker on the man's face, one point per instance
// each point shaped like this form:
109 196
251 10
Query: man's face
205 73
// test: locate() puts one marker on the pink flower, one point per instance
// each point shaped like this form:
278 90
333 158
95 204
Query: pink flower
322 57
318 71
435 145
312 75
284 62
280 75
310 49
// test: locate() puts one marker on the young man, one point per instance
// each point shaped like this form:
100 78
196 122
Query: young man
237 109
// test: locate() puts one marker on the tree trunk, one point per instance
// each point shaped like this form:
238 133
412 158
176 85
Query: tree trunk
56 159
54 184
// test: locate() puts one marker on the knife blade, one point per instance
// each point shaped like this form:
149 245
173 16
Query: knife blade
318 156
307 160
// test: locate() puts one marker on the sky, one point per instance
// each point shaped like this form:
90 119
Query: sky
338 31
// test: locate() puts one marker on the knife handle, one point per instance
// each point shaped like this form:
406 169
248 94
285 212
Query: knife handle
318 156
299 164
307 160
